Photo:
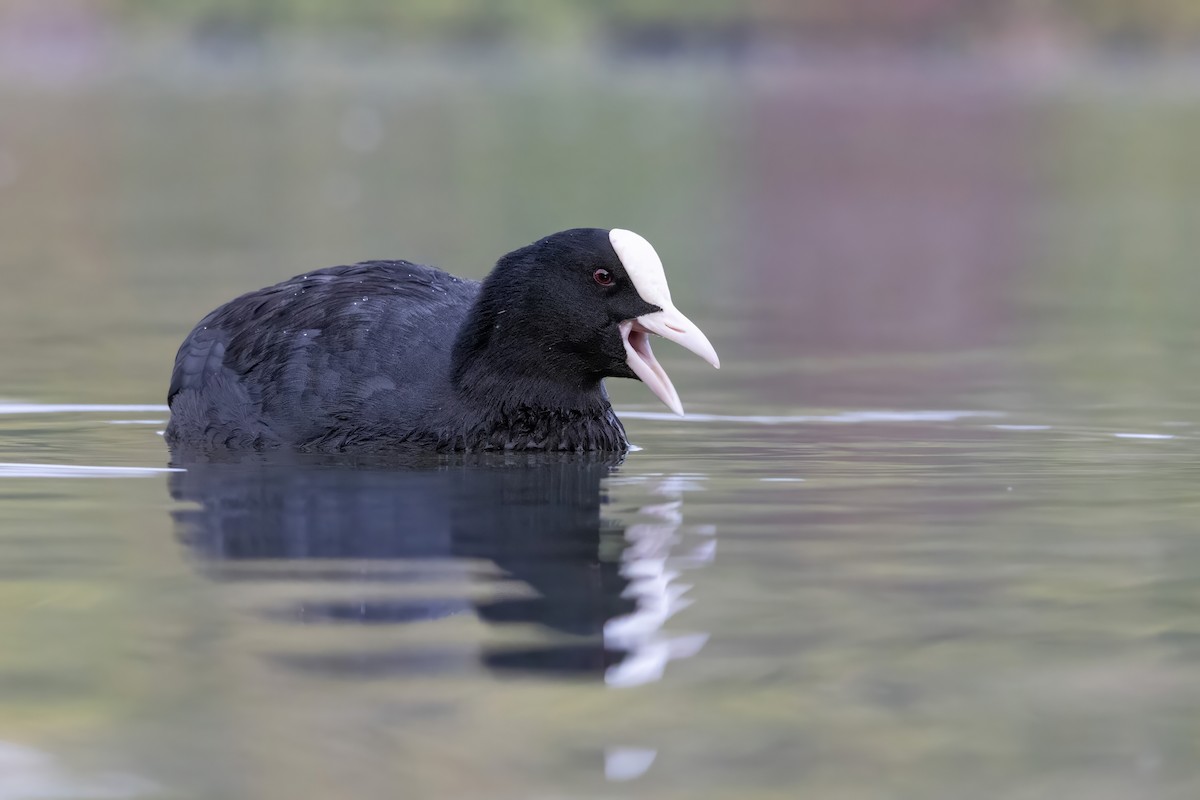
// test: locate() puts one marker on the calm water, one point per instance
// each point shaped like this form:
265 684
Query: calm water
931 532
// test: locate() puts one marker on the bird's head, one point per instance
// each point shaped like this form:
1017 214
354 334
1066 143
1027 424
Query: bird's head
584 302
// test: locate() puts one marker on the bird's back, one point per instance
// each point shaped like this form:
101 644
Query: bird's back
333 357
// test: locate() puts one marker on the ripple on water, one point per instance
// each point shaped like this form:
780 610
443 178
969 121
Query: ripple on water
29 773
18 470
838 418
77 408
1144 435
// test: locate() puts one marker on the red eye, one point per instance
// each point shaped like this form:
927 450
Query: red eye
603 277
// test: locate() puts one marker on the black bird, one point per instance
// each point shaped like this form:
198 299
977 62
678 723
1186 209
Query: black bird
384 355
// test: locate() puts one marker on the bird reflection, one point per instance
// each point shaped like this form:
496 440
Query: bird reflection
536 517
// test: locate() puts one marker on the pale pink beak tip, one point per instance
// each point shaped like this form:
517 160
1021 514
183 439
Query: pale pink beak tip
671 325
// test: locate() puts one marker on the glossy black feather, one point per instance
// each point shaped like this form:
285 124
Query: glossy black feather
388 354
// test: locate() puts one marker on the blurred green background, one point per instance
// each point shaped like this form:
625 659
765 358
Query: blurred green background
827 163
1173 24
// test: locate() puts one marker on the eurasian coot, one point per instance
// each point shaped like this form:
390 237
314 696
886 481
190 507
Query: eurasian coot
389 354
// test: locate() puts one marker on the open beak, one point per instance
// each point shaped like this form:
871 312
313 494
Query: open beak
669 324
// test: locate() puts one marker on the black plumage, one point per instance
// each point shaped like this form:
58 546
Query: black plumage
390 354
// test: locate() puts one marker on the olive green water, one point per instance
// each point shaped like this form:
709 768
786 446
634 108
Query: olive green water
930 532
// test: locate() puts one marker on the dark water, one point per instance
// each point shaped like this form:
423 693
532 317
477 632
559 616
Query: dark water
930 532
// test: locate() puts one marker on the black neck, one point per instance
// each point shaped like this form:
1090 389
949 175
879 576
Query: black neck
502 359
518 393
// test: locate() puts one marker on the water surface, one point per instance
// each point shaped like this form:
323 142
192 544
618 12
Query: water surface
930 532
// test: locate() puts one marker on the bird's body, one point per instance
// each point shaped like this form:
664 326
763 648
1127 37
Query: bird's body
383 355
